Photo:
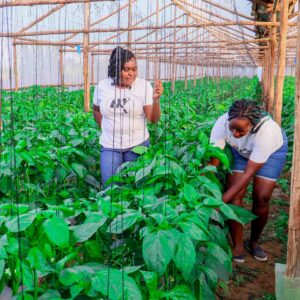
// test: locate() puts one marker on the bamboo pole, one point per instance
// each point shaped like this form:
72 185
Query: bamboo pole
208 12
129 36
284 6
86 77
156 74
293 247
101 20
186 56
273 44
61 67
139 22
43 2
179 26
92 66
191 43
41 18
16 73
174 66
195 74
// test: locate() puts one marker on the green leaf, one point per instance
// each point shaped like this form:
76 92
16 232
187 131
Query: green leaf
131 269
116 284
151 280
2 264
94 249
190 194
75 290
3 253
229 213
140 174
218 260
51 294
185 255
76 274
57 231
193 231
244 215
20 223
140 149
21 145
60 264
37 259
158 250
84 231
124 221
79 169
92 181
180 292
3 240
212 202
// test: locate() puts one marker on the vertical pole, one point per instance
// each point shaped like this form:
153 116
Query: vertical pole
273 44
156 73
86 77
195 73
147 70
284 11
293 248
174 67
61 67
186 55
129 36
92 66
16 68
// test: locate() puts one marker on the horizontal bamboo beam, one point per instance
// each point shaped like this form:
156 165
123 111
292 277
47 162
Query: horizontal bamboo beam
53 10
196 44
45 2
116 29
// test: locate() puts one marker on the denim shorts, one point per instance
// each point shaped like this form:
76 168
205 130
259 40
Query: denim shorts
111 159
272 167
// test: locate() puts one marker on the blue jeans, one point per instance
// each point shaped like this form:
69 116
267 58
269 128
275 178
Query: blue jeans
111 159
272 167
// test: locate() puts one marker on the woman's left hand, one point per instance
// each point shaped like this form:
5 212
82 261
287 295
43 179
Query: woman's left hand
158 89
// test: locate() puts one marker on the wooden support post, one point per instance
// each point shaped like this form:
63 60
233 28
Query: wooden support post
284 9
265 80
271 83
293 248
195 74
16 73
92 66
86 77
186 55
147 70
61 67
174 67
156 73
129 36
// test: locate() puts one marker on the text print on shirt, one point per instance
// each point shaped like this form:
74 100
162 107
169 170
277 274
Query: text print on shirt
119 103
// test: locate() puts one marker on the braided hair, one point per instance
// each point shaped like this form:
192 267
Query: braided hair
245 108
117 60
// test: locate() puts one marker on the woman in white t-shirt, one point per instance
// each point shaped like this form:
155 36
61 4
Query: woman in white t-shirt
122 104
259 147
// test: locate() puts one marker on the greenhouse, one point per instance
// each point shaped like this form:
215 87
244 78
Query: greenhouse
150 149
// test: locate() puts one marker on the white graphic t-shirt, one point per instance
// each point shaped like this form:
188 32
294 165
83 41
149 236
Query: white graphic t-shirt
123 118
254 146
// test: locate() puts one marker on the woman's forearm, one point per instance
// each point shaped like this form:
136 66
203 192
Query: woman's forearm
98 117
155 112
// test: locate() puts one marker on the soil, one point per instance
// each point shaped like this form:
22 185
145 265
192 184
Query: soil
253 279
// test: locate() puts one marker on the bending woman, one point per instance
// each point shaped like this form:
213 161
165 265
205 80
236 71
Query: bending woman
259 147
121 105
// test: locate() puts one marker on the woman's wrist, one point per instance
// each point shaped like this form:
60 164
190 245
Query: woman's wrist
156 100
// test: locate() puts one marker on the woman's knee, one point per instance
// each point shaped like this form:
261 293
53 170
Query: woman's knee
261 200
